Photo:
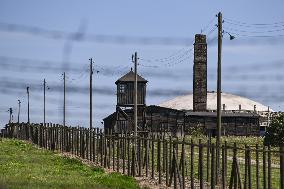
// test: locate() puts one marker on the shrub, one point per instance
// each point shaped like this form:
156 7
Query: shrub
274 134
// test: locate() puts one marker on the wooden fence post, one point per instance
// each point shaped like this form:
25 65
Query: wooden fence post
101 147
192 164
235 172
95 140
128 155
113 153
246 167
249 169
208 161
226 162
152 158
170 153
91 144
167 163
78 141
257 166
223 168
183 163
139 155
57 137
108 148
147 156
39 135
118 154
281 152
213 167
123 152
200 151
105 149
159 159
269 168
173 173
264 167
133 162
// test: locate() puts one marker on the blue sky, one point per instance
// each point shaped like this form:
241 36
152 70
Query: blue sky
252 66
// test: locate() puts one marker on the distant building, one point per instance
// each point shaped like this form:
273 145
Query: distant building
240 116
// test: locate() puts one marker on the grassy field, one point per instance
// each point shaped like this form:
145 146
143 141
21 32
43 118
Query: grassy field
24 166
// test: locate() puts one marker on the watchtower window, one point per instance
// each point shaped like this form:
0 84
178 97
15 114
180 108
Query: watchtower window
122 88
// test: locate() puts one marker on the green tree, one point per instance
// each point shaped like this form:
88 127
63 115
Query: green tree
274 134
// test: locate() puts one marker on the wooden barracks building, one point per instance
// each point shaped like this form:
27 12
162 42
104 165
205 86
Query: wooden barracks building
240 116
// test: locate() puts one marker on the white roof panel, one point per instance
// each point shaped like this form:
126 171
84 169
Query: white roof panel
231 102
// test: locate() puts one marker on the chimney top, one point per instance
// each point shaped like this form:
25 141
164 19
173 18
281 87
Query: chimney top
200 38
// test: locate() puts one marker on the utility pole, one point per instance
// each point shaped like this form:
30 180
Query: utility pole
19 110
28 92
135 107
219 121
91 92
135 95
44 83
64 100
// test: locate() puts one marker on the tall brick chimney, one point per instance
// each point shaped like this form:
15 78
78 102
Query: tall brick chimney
200 73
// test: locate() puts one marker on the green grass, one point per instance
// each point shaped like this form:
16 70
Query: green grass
22 165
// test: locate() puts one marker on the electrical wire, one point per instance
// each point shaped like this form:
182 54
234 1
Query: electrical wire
248 31
209 23
183 50
180 59
33 65
175 56
228 20
97 38
243 29
253 36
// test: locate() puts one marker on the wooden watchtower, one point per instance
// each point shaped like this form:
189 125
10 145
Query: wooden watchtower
125 102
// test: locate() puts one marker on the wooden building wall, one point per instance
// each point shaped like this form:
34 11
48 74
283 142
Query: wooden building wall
169 121
237 126
164 120
125 93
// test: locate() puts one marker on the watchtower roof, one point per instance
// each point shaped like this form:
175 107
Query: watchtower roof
129 77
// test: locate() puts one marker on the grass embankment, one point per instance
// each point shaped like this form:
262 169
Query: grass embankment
22 165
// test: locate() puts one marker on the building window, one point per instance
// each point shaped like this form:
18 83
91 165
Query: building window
122 88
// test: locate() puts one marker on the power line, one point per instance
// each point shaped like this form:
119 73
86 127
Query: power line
253 36
180 59
23 64
209 23
77 37
183 50
226 22
243 29
154 92
177 55
248 31
280 23
97 38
